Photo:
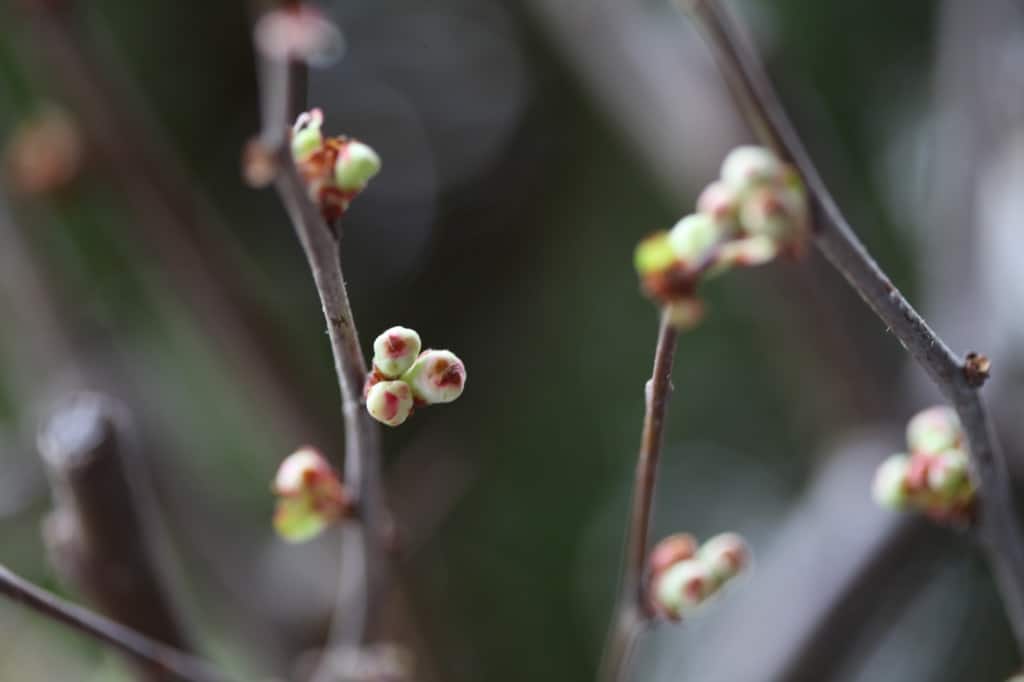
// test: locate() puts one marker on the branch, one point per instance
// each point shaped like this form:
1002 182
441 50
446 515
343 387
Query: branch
632 612
999 529
362 575
152 654
97 534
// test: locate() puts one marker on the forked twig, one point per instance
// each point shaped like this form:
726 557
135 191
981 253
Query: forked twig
999 527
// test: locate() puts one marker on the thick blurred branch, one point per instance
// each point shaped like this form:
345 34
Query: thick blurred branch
98 534
170 662
632 611
999 528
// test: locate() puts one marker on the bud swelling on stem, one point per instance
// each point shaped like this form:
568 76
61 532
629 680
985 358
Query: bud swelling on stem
390 402
310 496
694 237
394 351
749 166
437 376
680 588
356 164
671 550
934 430
725 555
720 202
889 487
307 135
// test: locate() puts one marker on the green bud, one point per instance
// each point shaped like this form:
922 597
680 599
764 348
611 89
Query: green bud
746 252
749 166
437 376
310 496
725 555
296 519
948 474
395 350
776 211
720 202
307 136
357 163
654 254
390 402
693 238
670 551
934 430
680 588
889 488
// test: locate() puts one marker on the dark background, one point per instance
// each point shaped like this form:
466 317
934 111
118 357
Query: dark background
527 147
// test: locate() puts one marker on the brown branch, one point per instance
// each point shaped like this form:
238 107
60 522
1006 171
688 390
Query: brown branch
158 657
98 535
362 574
632 612
999 528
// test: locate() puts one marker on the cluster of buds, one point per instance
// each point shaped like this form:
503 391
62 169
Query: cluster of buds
335 169
403 378
935 476
309 496
756 210
683 576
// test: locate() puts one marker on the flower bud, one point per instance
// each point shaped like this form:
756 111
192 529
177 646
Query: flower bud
437 376
934 430
654 255
746 253
890 485
389 402
750 166
355 165
307 136
670 551
310 496
776 211
693 238
720 202
725 555
395 350
679 589
948 473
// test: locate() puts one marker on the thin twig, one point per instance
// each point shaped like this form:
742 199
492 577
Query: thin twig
633 611
150 653
362 575
1000 529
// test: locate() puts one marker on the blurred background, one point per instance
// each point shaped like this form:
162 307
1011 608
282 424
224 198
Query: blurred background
527 147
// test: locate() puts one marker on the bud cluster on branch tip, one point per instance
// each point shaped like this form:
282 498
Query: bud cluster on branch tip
683 576
934 477
335 169
309 496
755 211
403 377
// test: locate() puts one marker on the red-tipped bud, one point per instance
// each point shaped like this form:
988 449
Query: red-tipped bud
390 402
437 376
721 203
671 550
310 496
934 430
681 588
395 350
725 555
